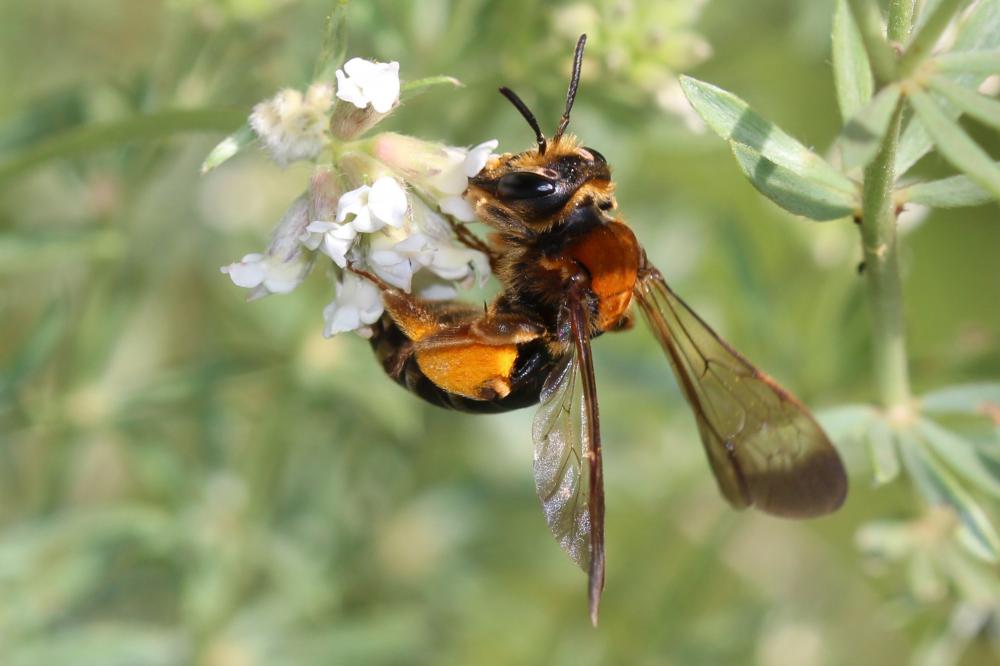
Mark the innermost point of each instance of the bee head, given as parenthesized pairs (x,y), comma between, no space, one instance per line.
(536,185)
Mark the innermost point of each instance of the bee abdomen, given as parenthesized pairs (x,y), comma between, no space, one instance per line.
(394,352)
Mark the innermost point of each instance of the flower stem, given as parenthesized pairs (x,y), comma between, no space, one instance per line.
(881,253)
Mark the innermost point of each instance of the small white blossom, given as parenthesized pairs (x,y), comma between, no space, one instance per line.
(256,271)
(459,264)
(337,240)
(363,82)
(285,263)
(394,256)
(383,203)
(292,125)
(356,306)
(441,172)
(437,291)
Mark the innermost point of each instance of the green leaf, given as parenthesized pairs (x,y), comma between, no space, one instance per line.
(91,138)
(420,85)
(331,54)
(961,455)
(928,34)
(852,73)
(953,192)
(861,137)
(980,107)
(870,27)
(732,119)
(979,30)
(954,144)
(846,421)
(882,452)
(975,62)
(228,147)
(938,486)
(963,399)
(791,191)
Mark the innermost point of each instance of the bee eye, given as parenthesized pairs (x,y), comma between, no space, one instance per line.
(524,185)
(597,154)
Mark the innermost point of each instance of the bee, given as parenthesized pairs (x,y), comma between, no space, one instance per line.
(569,270)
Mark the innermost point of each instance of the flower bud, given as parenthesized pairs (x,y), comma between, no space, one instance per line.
(293,126)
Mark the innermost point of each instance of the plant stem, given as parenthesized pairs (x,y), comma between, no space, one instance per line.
(881,253)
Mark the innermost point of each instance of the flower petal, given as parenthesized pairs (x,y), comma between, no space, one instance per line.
(387,201)
(478,156)
(248,272)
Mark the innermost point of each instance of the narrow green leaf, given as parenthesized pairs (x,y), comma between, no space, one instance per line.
(975,62)
(228,147)
(963,399)
(791,191)
(331,54)
(419,85)
(861,137)
(980,107)
(952,192)
(852,73)
(92,138)
(37,349)
(979,30)
(869,21)
(846,421)
(900,20)
(954,144)
(939,487)
(882,452)
(732,119)
(927,36)
(961,455)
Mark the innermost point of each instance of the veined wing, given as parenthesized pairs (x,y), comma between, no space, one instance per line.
(765,448)
(568,472)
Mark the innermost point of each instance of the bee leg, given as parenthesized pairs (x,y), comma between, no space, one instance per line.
(470,240)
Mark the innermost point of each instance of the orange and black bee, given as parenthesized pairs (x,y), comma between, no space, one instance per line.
(569,270)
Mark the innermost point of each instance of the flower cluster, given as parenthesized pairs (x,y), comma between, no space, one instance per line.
(385,205)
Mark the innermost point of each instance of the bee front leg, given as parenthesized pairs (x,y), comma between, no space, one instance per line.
(470,240)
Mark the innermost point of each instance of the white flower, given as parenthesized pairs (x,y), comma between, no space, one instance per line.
(293,126)
(265,274)
(384,203)
(367,82)
(394,256)
(448,186)
(356,306)
(442,172)
(337,240)
(460,264)
(285,263)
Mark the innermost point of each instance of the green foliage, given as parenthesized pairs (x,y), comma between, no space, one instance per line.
(188,478)
(948,468)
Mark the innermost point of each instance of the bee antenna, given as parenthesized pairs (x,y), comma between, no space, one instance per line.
(574,82)
(528,115)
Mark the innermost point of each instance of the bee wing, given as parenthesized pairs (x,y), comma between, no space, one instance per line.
(763,444)
(568,472)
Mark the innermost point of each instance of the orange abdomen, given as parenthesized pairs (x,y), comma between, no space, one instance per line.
(610,253)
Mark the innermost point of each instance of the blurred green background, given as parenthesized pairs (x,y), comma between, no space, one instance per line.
(188,478)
